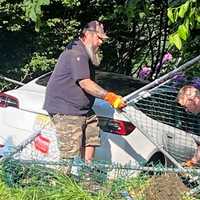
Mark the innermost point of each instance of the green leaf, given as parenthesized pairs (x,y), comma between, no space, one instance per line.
(170,15)
(174,39)
(175,15)
(197,17)
(38,10)
(33,14)
(171,39)
(192,13)
(183,9)
(183,32)
(141,15)
(45,2)
(177,41)
(187,23)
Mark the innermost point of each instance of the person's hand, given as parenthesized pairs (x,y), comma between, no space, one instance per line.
(115,100)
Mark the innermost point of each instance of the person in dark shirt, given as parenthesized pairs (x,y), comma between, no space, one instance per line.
(71,92)
(189,98)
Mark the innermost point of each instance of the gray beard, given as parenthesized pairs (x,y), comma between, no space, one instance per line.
(93,55)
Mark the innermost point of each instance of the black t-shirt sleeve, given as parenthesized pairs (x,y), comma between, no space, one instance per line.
(80,66)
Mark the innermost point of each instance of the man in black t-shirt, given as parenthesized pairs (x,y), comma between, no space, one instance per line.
(71,92)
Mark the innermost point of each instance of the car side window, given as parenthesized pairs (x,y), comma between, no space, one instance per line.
(43,80)
(161,105)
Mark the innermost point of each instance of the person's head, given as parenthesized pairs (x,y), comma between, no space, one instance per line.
(93,36)
(189,98)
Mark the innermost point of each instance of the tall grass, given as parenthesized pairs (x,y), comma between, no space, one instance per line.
(36,182)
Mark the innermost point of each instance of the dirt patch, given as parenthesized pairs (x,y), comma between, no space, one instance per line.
(165,187)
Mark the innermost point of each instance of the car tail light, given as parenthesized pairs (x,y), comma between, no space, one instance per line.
(8,100)
(114,126)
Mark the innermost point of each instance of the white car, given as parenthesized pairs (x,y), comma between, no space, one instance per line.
(22,117)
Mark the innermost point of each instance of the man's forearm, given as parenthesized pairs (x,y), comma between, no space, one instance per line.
(92,88)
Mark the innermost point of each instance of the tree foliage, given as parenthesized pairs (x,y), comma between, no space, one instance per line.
(184,18)
(33,10)
(34,32)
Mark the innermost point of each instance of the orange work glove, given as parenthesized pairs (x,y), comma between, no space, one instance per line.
(115,100)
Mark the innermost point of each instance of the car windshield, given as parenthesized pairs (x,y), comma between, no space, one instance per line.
(117,83)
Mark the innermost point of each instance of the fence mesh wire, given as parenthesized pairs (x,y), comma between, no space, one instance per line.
(162,120)
(27,173)
(28,180)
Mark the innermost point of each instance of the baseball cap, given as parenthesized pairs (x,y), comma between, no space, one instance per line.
(96,27)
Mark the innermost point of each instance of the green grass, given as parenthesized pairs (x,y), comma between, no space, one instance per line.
(60,187)
(36,182)
(33,182)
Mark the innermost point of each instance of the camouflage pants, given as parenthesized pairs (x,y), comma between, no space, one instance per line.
(75,132)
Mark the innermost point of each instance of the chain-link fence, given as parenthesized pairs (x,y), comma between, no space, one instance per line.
(35,180)
(163,121)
